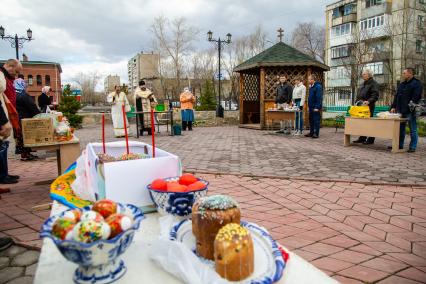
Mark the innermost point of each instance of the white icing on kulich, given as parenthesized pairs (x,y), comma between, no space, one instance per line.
(217,202)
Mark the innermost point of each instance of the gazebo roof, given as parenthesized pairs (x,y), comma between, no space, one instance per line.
(280,54)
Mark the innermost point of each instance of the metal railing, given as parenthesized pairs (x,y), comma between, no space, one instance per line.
(342,96)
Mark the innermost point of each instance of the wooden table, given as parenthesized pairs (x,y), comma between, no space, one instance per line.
(387,128)
(170,113)
(67,152)
(54,268)
(280,115)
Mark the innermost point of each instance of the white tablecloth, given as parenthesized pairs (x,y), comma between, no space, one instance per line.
(54,268)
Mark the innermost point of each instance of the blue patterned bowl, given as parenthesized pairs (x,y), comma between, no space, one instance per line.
(98,262)
(176,203)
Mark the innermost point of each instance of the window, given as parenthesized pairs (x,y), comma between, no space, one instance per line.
(377,47)
(30,80)
(348,8)
(344,94)
(419,44)
(341,30)
(370,3)
(373,22)
(336,13)
(417,70)
(39,82)
(340,51)
(420,21)
(47,80)
(375,67)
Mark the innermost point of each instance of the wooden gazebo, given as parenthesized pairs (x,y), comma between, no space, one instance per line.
(259,78)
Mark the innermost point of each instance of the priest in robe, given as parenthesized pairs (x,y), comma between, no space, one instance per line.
(118,99)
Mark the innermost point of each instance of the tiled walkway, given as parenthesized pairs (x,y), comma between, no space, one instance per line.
(355,232)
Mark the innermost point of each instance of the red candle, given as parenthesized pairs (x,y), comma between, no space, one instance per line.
(103,132)
(153,133)
(125,129)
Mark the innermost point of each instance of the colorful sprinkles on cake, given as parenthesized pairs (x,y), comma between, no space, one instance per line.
(217,202)
(232,232)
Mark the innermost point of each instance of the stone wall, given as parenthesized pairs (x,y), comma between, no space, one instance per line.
(202,118)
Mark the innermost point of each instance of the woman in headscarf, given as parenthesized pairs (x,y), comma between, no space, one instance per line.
(44,99)
(187,100)
(26,108)
(117,99)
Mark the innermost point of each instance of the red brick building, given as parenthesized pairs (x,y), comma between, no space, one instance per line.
(41,73)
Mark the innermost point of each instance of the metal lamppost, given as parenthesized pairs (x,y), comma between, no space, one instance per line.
(219,109)
(15,41)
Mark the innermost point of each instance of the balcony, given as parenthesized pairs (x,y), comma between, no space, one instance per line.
(385,8)
(344,19)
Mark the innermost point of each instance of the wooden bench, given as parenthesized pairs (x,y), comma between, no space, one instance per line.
(344,110)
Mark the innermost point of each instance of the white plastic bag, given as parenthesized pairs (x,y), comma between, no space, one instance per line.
(178,260)
(81,186)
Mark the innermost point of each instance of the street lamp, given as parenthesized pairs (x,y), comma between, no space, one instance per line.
(219,109)
(15,41)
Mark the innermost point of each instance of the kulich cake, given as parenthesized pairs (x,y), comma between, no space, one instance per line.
(105,158)
(209,215)
(233,253)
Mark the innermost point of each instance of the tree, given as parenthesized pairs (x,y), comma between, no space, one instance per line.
(174,41)
(208,97)
(87,83)
(310,39)
(69,107)
(241,49)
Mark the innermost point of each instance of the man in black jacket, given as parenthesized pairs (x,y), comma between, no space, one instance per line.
(283,98)
(408,91)
(368,94)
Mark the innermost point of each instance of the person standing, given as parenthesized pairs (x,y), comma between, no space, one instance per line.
(117,99)
(26,108)
(44,99)
(314,106)
(187,100)
(5,131)
(144,100)
(9,117)
(368,94)
(299,97)
(409,91)
(283,99)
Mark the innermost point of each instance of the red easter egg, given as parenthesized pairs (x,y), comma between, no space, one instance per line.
(62,228)
(176,187)
(187,179)
(105,207)
(118,223)
(197,186)
(159,184)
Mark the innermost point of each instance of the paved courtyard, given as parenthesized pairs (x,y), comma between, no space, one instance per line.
(355,231)
(252,152)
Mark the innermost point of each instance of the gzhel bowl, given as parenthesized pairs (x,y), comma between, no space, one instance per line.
(99,261)
(176,203)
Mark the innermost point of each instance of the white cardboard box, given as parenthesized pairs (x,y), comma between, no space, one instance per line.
(126,181)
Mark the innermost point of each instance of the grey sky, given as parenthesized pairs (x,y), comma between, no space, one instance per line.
(103,34)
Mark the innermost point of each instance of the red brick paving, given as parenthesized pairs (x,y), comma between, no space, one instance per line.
(355,233)
(17,218)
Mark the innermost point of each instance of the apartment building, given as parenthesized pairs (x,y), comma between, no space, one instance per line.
(110,82)
(384,36)
(143,66)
